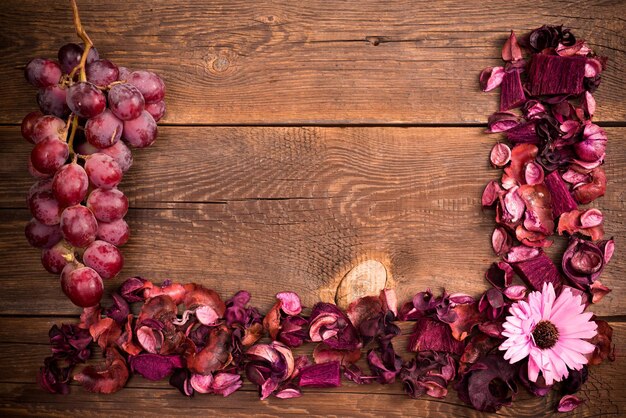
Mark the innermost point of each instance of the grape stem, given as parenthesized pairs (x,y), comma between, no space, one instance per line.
(70,141)
(86,40)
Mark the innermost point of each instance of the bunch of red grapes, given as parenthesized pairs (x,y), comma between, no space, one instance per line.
(90,112)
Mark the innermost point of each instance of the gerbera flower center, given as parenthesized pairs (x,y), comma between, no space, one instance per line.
(545,334)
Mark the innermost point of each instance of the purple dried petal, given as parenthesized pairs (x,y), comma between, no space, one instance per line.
(288,393)
(430,334)
(591,218)
(181,380)
(491,77)
(502,121)
(511,50)
(119,310)
(533,109)
(537,271)
(513,206)
(593,146)
(132,289)
(325,375)
(569,402)
(461,299)
(54,379)
(489,384)
(562,200)
(154,366)
(329,324)
(389,299)
(201,384)
(428,374)
(584,261)
(512,92)
(500,275)
(553,75)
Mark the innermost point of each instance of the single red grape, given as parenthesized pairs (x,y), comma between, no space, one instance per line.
(52,100)
(149,84)
(102,72)
(85,99)
(124,73)
(104,258)
(70,184)
(28,124)
(126,101)
(42,236)
(36,174)
(82,285)
(70,55)
(47,126)
(41,72)
(49,155)
(121,154)
(45,208)
(44,185)
(116,232)
(79,226)
(104,130)
(107,205)
(140,132)
(157,110)
(54,259)
(103,171)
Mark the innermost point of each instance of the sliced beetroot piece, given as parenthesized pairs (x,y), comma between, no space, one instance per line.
(537,271)
(552,74)
(512,92)
(325,375)
(562,200)
(524,133)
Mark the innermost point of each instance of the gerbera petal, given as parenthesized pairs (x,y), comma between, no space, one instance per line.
(547,300)
(533,368)
(521,352)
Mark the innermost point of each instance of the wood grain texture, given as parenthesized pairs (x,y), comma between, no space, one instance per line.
(604,393)
(268,62)
(271,209)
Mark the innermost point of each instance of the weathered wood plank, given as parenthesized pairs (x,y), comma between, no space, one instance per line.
(234,62)
(604,393)
(269,209)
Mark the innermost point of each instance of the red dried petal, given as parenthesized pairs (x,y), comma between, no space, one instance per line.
(511,50)
(467,317)
(589,192)
(491,77)
(500,155)
(108,378)
(105,332)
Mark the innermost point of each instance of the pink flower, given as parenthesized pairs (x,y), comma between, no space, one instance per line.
(551,332)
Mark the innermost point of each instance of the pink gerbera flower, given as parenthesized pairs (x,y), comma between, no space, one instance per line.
(551,332)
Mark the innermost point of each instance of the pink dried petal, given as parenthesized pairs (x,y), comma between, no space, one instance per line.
(591,218)
(201,383)
(491,193)
(570,128)
(598,291)
(579,48)
(501,241)
(521,154)
(500,155)
(206,315)
(324,354)
(491,77)
(511,50)
(521,253)
(511,92)
(389,300)
(516,292)
(150,339)
(288,393)
(533,173)
(569,402)
(290,303)
(576,177)
(589,104)
(226,383)
(593,67)
(513,206)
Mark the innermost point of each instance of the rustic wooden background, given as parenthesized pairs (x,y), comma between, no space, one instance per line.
(300,140)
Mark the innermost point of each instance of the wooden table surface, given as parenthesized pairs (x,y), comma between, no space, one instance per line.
(300,140)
